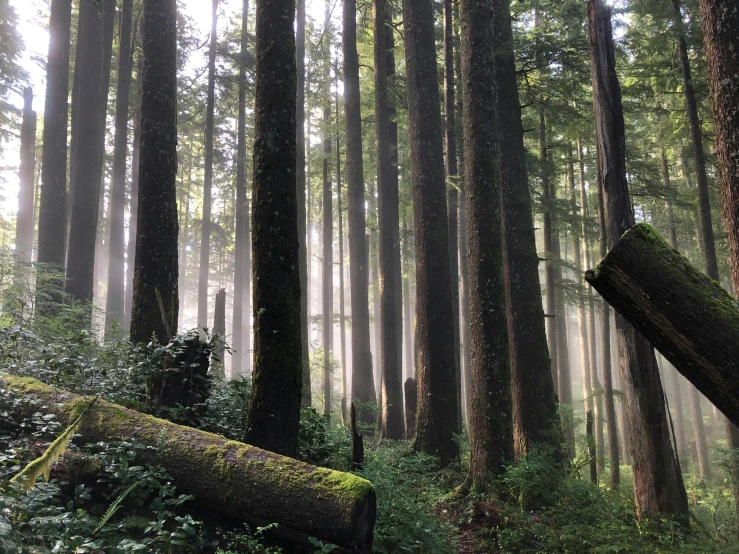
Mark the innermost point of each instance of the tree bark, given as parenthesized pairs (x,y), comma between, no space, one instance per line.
(410,389)
(117,204)
(24,224)
(342,315)
(302,212)
(658,484)
(363,384)
(86,187)
(274,409)
(52,224)
(327,282)
(391,417)
(242,300)
(204,266)
(534,398)
(491,422)
(696,137)
(155,301)
(437,416)
(219,324)
(228,476)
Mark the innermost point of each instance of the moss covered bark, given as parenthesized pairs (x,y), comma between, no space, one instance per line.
(235,479)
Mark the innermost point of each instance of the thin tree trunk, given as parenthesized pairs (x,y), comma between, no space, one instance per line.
(391,417)
(24,224)
(184,242)
(204,265)
(363,384)
(342,316)
(117,204)
(437,416)
(407,318)
(658,484)
(327,281)
(155,302)
(241,277)
(302,213)
(274,407)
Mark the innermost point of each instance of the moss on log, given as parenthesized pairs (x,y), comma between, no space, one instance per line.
(685,314)
(233,478)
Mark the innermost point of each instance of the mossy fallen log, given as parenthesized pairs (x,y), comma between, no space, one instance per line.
(686,315)
(232,478)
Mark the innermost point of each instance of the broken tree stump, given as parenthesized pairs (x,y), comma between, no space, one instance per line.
(686,315)
(232,478)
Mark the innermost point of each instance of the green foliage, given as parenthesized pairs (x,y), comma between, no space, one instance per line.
(248,541)
(322,444)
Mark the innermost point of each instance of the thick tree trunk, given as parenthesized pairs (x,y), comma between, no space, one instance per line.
(391,417)
(86,186)
(302,212)
(24,224)
(155,301)
(227,476)
(363,383)
(274,409)
(241,247)
(491,422)
(696,137)
(437,418)
(450,140)
(720,25)
(204,265)
(534,397)
(117,204)
(656,296)
(658,484)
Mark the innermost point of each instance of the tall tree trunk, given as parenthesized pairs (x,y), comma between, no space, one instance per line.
(25,216)
(274,408)
(696,137)
(204,266)
(450,140)
(491,425)
(363,383)
(155,302)
(117,204)
(391,418)
(437,415)
(327,282)
(614,475)
(52,203)
(721,37)
(407,318)
(658,484)
(302,213)
(342,319)
(184,242)
(241,247)
(133,209)
(219,325)
(534,399)
(594,379)
(79,276)
(547,230)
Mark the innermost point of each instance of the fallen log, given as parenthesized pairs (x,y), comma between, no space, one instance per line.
(686,315)
(232,478)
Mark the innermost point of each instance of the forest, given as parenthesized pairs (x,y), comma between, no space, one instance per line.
(376,276)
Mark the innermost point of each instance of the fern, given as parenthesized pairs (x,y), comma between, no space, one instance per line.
(113,508)
(135,522)
(42,464)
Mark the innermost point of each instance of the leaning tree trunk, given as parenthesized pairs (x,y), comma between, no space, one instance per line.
(241,246)
(229,477)
(204,265)
(658,484)
(437,416)
(534,400)
(117,206)
(155,303)
(363,384)
(274,408)
(25,217)
(720,25)
(52,225)
(391,416)
(491,425)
